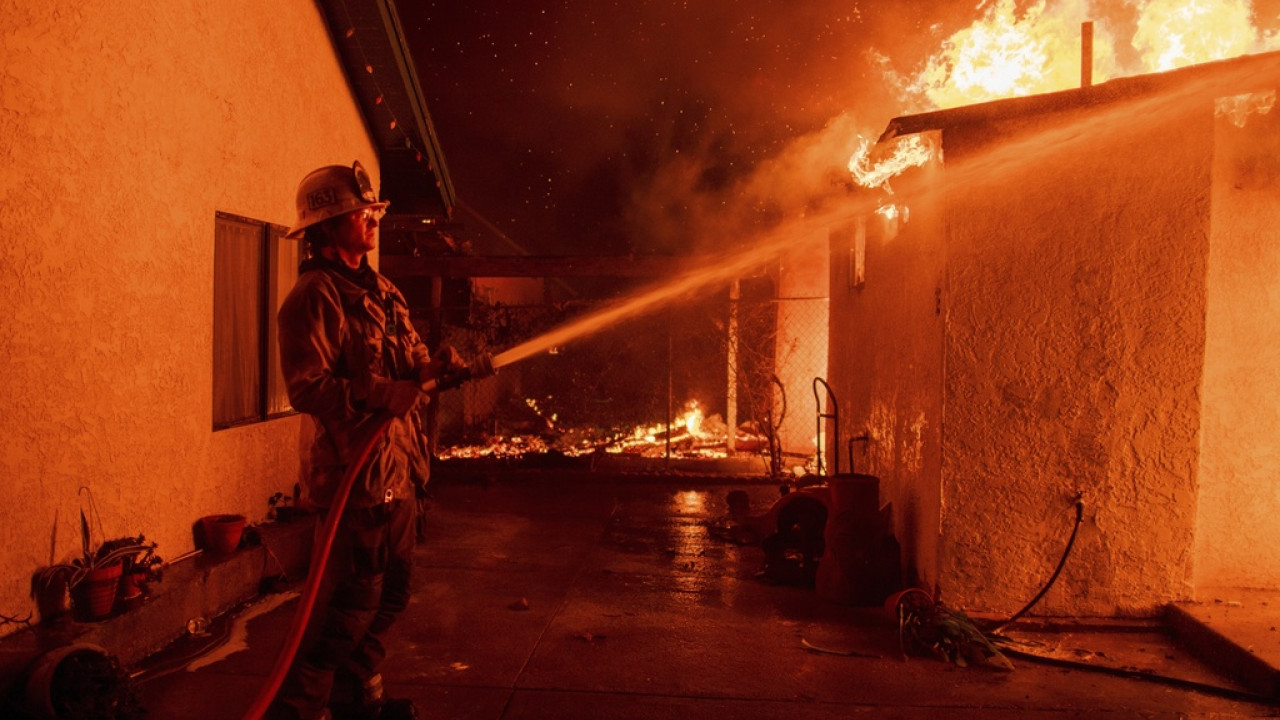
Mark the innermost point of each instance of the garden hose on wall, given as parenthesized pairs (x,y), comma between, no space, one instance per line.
(1052,578)
(1181,683)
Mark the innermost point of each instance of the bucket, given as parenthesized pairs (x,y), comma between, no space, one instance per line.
(222,533)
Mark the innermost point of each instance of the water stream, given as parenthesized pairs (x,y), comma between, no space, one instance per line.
(998,161)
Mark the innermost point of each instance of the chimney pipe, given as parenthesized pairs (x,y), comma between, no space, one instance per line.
(1086,54)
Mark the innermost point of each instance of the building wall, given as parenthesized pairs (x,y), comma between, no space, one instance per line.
(122,132)
(886,367)
(1074,352)
(1239,509)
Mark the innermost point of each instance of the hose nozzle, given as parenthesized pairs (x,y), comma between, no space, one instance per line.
(481,367)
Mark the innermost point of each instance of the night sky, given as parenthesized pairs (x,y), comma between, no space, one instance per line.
(651,127)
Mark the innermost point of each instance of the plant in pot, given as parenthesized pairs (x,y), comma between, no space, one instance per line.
(281,509)
(141,565)
(278,507)
(98,576)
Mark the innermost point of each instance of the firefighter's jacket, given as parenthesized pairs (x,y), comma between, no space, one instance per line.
(339,329)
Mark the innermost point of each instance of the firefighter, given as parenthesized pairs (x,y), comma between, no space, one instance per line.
(350,357)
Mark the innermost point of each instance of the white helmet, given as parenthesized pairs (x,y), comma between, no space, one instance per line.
(331,191)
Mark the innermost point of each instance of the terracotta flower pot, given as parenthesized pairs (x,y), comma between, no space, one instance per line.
(94,597)
(222,532)
(131,584)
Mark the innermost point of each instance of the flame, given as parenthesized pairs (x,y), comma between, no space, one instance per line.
(894,157)
(685,426)
(1177,33)
(1007,53)
(692,435)
(892,212)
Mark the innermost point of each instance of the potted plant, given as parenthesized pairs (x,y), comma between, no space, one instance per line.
(95,579)
(140,565)
(281,508)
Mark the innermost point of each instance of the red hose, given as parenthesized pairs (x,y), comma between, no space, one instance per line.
(319,558)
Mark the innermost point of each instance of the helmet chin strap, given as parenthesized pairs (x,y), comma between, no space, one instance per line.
(350,258)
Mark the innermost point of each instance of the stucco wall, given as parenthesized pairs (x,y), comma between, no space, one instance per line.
(1239,510)
(886,371)
(1074,350)
(122,132)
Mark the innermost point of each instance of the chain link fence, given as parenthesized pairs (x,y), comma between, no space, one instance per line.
(729,373)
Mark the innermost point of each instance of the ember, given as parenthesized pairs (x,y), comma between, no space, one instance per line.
(690,435)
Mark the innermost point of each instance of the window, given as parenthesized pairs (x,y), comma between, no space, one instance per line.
(254,267)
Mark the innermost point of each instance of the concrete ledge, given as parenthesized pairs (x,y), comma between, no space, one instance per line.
(198,586)
(1238,638)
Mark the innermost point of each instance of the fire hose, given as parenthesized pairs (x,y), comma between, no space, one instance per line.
(480,367)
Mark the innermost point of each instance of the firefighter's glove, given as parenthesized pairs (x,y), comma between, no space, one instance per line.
(444,362)
(398,397)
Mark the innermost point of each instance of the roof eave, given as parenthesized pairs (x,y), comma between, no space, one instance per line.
(372,49)
(1251,73)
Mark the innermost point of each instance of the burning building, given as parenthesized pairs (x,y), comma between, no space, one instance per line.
(1075,306)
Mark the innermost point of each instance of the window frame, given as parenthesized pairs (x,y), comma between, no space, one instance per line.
(271,287)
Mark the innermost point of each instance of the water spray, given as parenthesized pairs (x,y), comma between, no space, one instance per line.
(482,366)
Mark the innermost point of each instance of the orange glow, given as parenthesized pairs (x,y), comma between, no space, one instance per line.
(1009,52)
(874,165)
(1177,33)
(1238,107)
(1006,53)
(692,434)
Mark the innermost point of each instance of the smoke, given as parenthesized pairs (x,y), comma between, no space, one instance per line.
(732,116)
(673,126)
(1001,48)
(654,126)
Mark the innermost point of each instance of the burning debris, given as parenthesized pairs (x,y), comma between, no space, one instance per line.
(690,435)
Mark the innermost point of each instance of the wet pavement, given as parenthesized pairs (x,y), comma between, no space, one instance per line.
(580,599)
